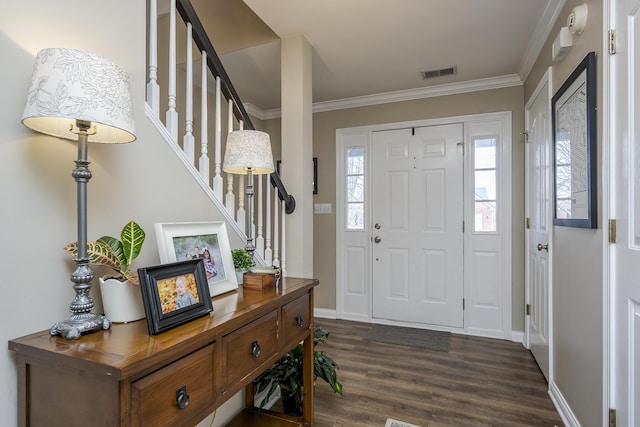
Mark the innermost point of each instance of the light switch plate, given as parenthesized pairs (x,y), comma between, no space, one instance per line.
(322,208)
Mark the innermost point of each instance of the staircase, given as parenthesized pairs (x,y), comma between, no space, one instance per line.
(206,95)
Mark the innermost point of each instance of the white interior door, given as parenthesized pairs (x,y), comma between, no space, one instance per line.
(625,207)
(538,189)
(417,217)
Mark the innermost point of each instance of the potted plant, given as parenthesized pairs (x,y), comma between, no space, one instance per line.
(121,297)
(241,262)
(287,373)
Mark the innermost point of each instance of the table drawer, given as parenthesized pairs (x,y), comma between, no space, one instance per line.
(156,399)
(248,347)
(295,318)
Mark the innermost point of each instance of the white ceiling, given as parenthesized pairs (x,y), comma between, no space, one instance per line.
(379,47)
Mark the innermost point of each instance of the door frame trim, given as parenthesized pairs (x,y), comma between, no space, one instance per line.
(506,224)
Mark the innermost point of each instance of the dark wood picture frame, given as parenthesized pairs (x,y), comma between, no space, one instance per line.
(574,123)
(163,306)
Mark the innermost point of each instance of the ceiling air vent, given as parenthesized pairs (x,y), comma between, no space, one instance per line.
(438,73)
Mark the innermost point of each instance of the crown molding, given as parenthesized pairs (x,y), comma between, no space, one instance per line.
(398,96)
(420,93)
(543,29)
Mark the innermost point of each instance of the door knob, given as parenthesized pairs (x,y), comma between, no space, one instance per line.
(377,226)
(541,247)
(377,239)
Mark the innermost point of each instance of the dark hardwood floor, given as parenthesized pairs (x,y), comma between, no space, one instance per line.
(479,382)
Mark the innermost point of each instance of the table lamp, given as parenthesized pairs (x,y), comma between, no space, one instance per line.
(80,96)
(248,152)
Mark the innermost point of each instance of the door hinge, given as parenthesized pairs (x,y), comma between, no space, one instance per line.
(612,417)
(463,226)
(461,145)
(462,304)
(527,223)
(612,230)
(526,136)
(612,42)
(528,309)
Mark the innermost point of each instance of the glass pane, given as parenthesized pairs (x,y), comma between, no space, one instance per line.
(485,216)
(355,218)
(355,161)
(563,182)
(485,153)
(563,209)
(485,182)
(563,149)
(355,188)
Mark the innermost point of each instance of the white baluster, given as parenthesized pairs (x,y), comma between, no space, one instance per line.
(217,178)
(259,236)
(240,216)
(188,142)
(172,114)
(268,253)
(276,261)
(230,200)
(203,165)
(153,90)
(283,236)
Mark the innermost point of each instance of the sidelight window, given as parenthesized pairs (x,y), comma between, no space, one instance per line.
(355,188)
(485,183)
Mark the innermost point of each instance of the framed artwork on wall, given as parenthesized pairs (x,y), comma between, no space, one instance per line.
(574,122)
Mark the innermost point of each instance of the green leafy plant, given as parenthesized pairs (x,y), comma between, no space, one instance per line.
(288,372)
(114,253)
(241,259)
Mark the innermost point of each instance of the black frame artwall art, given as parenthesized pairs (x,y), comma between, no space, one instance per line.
(574,121)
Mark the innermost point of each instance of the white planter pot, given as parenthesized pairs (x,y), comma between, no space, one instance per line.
(240,276)
(122,301)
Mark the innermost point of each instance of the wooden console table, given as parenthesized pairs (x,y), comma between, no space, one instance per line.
(124,377)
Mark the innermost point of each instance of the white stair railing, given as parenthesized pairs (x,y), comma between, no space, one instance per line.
(271,203)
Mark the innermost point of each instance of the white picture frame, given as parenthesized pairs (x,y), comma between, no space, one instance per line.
(176,240)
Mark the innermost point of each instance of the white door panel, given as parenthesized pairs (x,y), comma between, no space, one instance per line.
(417,202)
(625,208)
(539,217)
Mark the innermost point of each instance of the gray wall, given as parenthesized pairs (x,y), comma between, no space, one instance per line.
(143,181)
(577,253)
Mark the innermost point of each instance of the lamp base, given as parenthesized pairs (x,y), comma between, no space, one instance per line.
(72,327)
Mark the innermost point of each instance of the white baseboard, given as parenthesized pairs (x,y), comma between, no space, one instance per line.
(324,313)
(517,336)
(562,406)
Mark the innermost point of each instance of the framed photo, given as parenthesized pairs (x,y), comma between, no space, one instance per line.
(179,241)
(174,294)
(574,122)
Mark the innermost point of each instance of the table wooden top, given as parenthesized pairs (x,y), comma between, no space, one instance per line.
(126,349)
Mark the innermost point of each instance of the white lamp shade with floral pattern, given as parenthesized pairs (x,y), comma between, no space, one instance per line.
(69,85)
(248,149)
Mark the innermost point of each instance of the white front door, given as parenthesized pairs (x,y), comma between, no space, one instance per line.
(417,217)
(624,142)
(538,200)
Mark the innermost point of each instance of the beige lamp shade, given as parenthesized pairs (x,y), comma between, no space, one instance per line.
(69,85)
(248,149)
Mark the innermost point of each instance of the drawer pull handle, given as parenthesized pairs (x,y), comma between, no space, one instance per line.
(299,321)
(255,349)
(182,397)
